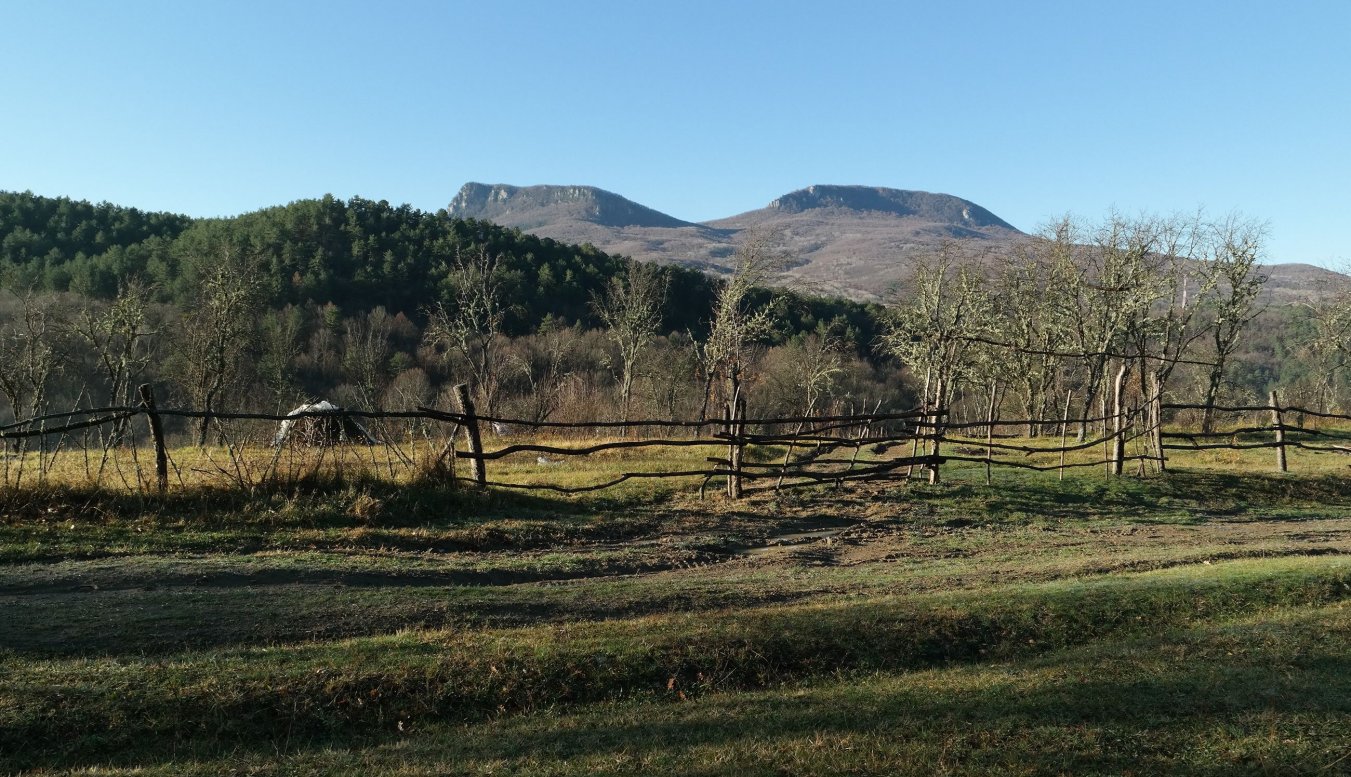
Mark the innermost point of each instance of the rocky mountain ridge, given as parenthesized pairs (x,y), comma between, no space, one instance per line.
(854,241)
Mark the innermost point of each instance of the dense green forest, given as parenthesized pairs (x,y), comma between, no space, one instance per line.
(384,307)
(340,297)
(357,255)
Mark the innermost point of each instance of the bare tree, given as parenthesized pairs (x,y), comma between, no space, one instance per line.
(819,362)
(472,325)
(1330,345)
(220,332)
(543,362)
(278,364)
(737,324)
(30,354)
(366,350)
(937,320)
(674,377)
(121,336)
(631,309)
(1235,253)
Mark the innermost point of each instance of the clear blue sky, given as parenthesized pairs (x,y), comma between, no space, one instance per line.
(698,109)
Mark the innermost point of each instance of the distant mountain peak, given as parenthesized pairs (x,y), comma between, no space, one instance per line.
(532,206)
(897,202)
(855,240)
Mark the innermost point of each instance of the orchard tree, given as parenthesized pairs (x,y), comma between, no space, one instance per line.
(1329,343)
(737,323)
(1236,247)
(1028,317)
(937,320)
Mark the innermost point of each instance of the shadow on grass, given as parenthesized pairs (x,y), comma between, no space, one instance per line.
(1178,496)
(1153,719)
(329,502)
(1146,706)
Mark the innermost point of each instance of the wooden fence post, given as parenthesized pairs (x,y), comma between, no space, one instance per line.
(734,416)
(1064,431)
(1156,431)
(989,433)
(740,422)
(1118,421)
(471,426)
(934,476)
(147,403)
(1279,424)
(731,447)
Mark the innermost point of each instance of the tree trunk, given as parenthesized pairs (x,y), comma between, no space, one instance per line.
(1091,387)
(941,390)
(1156,422)
(1212,394)
(1119,420)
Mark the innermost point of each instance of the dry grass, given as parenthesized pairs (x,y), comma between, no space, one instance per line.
(240,456)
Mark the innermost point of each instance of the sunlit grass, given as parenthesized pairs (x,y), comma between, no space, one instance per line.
(356,608)
(310,692)
(240,455)
(1261,694)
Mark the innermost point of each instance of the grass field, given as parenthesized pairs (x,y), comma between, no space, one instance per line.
(1195,622)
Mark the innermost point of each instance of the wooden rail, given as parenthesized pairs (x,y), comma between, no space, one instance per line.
(819,437)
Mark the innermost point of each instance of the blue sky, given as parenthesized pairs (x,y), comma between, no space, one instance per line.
(698,109)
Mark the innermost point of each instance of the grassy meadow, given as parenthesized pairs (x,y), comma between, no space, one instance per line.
(361,613)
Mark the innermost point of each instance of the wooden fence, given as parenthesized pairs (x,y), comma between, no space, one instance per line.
(787,452)
(1278,435)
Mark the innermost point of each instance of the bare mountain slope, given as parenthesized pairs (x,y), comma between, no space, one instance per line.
(851,240)
(856,241)
(860,240)
(549,206)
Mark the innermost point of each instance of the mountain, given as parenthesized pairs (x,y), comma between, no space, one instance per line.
(854,241)
(555,205)
(1297,282)
(851,240)
(933,208)
(861,240)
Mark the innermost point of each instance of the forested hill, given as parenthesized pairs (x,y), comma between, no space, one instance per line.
(357,254)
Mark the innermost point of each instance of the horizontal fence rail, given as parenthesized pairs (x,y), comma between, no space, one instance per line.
(749,454)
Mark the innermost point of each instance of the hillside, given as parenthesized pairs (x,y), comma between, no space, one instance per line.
(586,214)
(853,241)
(359,254)
(849,240)
(859,240)
(543,206)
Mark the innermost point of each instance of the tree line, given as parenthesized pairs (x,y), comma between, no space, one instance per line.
(355,254)
(368,304)
(1132,308)
(381,307)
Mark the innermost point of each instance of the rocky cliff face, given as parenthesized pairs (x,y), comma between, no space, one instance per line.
(896,202)
(522,206)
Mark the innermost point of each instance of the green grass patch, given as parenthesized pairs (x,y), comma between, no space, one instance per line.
(1263,694)
(77,711)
